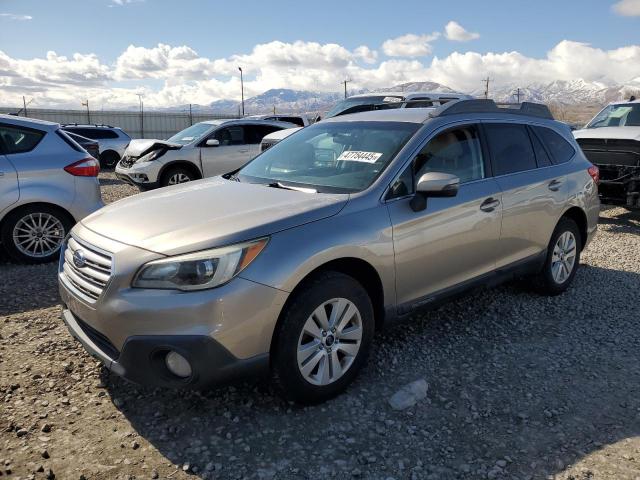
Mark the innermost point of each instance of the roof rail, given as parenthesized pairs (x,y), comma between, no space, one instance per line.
(456,107)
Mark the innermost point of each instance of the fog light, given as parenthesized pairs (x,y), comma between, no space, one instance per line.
(177,364)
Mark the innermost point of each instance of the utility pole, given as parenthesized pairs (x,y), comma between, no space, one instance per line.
(274,108)
(86,104)
(486,87)
(242,89)
(24,102)
(190,115)
(141,115)
(517,94)
(346,80)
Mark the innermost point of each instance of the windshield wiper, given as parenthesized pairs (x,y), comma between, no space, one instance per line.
(289,187)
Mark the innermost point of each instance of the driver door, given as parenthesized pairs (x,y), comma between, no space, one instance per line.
(454,239)
(229,155)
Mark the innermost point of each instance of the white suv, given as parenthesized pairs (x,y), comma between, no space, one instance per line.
(205,149)
(112,141)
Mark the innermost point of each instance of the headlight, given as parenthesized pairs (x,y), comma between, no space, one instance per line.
(152,155)
(199,270)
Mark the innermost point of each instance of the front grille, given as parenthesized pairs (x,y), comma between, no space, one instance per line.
(611,151)
(88,277)
(127,161)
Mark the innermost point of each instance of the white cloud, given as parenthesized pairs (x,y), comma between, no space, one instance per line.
(172,75)
(628,8)
(410,45)
(14,16)
(125,2)
(457,33)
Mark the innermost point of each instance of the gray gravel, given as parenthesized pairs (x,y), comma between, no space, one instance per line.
(519,386)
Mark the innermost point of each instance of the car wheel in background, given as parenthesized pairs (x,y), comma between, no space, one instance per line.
(563,259)
(34,234)
(175,176)
(109,159)
(323,339)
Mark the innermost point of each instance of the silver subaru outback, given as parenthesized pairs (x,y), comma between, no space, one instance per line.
(292,263)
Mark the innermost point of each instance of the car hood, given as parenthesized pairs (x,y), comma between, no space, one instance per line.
(208,213)
(620,133)
(140,147)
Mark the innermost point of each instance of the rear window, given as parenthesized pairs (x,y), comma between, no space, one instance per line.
(69,141)
(19,139)
(561,150)
(510,147)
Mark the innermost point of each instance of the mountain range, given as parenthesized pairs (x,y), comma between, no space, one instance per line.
(561,92)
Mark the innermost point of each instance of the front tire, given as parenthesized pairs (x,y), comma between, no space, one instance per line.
(34,234)
(562,260)
(176,176)
(324,338)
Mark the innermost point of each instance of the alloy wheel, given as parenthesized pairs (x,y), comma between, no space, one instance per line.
(177,178)
(330,341)
(564,257)
(38,235)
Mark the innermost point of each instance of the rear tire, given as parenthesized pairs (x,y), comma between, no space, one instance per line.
(323,339)
(34,233)
(176,176)
(562,260)
(109,159)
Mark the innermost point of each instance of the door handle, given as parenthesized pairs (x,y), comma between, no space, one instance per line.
(489,205)
(555,185)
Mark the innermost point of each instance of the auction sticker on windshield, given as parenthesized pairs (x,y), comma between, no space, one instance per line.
(358,156)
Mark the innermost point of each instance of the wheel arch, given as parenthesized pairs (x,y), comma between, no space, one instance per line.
(358,269)
(186,164)
(17,207)
(580,217)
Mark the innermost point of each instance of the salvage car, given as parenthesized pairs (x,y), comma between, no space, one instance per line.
(612,142)
(293,263)
(205,149)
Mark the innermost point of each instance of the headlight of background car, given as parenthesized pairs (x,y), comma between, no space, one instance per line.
(152,155)
(199,270)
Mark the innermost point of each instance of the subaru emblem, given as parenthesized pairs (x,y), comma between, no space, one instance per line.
(78,259)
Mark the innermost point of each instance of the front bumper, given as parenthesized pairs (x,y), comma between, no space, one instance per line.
(144,175)
(141,359)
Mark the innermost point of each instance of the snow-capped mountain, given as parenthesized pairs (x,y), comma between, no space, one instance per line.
(574,93)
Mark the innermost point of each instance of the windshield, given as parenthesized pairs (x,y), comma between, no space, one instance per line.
(350,105)
(190,134)
(620,115)
(331,157)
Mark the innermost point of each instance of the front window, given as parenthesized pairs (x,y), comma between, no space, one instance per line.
(361,104)
(336,157)
(619,115)
(191,134)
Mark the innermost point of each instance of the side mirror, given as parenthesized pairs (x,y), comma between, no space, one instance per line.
(434,184)
(212,142)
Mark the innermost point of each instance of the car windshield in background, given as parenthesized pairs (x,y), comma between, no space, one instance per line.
(621,115)
(331,157)
(191,133)
(361,104)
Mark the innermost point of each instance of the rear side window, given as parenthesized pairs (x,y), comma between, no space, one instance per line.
(19,139)
(510,147)
(230,136)
(561,150)
(255,133)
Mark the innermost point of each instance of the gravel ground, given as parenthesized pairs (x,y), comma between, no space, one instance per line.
(520,386)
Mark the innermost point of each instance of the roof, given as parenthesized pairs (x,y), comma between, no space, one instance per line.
(410,115)
(28,122)
(411,95)
(254,121)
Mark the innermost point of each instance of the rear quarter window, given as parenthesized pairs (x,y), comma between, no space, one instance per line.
(19,139)
(561,150)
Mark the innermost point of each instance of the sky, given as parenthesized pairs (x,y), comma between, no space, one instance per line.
(60,52)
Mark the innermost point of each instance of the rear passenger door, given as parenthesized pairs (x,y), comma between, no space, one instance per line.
(534,190)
